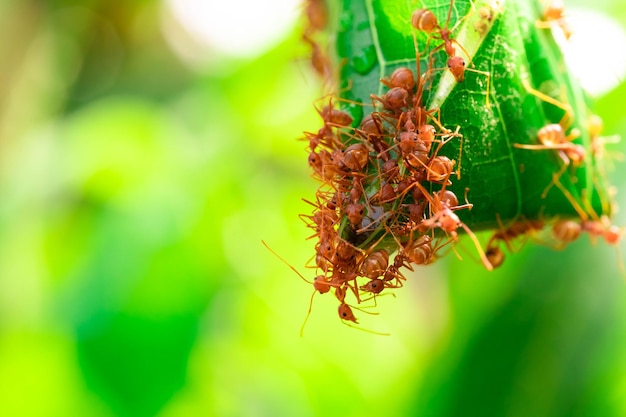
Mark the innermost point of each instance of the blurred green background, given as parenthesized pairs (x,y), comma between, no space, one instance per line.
(140,167)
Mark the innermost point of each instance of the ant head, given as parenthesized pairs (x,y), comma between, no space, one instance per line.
(325,249)
(456,65)
(355,213)
(322,263)
(416,212)
(345,313)
(495,256)
(390,169)
(386,194)
(375,286)
(613,234)
(315,161)
(427,133)
(345,251)
(408,141)
(317,15)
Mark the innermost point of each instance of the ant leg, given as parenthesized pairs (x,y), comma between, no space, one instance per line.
(569,113)
(308,314)
(557,175)
(287,263)
(583,215)
(479,248)
(488,75)
(365,330)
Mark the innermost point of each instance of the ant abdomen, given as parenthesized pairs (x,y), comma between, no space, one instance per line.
(424,20)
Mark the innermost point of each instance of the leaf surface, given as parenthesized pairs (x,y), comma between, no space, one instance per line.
(516,83)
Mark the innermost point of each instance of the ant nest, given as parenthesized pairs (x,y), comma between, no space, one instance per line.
(384,203)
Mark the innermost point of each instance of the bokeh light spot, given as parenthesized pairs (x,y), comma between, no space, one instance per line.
(236,27)
(592,51)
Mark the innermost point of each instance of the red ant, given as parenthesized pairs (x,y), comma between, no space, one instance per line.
(401,77)
(334,117)
(507,235)
(317,15)
(553,136)
(424,20)
(319,60)
(554,13)
(603,228)
(375,264)
(443,205)
(598,150)
(396,99)
(566,231)
(347,315)
(596,226)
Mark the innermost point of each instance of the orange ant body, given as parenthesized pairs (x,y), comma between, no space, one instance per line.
(319,60)
(356,157)
(334,117)
(402,78)
(396,99)
(443,205)
(425,21)
(375,178)
(554,13)
(317,15)
(419,252)
(375,264)
(603,228)
(553,137)
(519,228)
(566,231)
(345,313)
(439,169)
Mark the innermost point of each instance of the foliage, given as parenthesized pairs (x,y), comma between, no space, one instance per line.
(135,192)
(505,183)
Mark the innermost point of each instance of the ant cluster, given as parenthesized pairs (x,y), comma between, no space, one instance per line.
(384,184)
(385,202)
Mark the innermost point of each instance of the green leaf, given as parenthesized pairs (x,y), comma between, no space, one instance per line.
(493,112)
